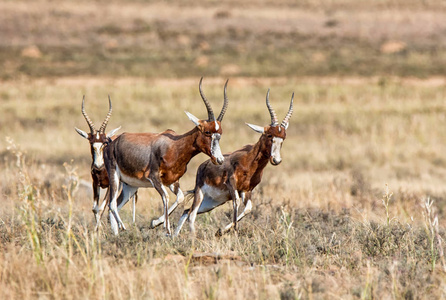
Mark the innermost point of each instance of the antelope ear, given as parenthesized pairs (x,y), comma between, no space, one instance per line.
(112,132)
(193,118)
(256,128)
(82,133)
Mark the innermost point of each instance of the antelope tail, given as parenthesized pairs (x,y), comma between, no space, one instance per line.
(188,195)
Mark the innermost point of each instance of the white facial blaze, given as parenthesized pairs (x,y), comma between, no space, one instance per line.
(215,147)
(98,155)
(216,126)
(275,149)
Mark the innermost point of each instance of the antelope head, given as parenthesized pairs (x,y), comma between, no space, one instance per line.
(274,134)
(97,138)
(209,130)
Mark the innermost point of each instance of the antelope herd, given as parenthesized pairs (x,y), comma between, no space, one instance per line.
(122,164)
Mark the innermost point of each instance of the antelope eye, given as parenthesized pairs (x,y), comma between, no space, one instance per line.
(207,132)
(269,135)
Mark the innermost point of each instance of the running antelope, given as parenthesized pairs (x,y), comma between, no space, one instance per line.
(240,173)
(98,141)
(159,160)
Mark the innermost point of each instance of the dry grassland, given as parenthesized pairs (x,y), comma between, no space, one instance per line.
(356,210)
(319,227)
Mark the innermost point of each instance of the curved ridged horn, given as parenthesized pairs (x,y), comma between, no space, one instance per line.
(211,116)
(288,115)
(274,121)
(104,124)
(90,124)
(225,104)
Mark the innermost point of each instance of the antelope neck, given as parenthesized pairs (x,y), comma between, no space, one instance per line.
(186,145)
(258,154)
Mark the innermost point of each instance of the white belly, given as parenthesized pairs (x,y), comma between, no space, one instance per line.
(135,182)
(212,197)
(216,194)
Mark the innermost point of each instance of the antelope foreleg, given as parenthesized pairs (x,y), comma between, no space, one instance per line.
(113,206)
(96,194)
(181,222)
(198,199)
(246,211)
(235,205)
(135,199)
(175,188)
(161,189)
(231,185)
(101,210)
(125,191)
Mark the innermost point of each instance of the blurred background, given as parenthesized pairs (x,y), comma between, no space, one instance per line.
(178,39)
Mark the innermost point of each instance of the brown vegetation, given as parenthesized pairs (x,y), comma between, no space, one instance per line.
(324,224)
(318,226)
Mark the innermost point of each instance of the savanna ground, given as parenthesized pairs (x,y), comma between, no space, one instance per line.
(355,210)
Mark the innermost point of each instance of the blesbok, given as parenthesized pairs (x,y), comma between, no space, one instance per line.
(240,173)
(159,160)
(98,140)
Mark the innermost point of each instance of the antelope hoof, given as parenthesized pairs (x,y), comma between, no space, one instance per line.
(155,223)
(121,226)
(219,233)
